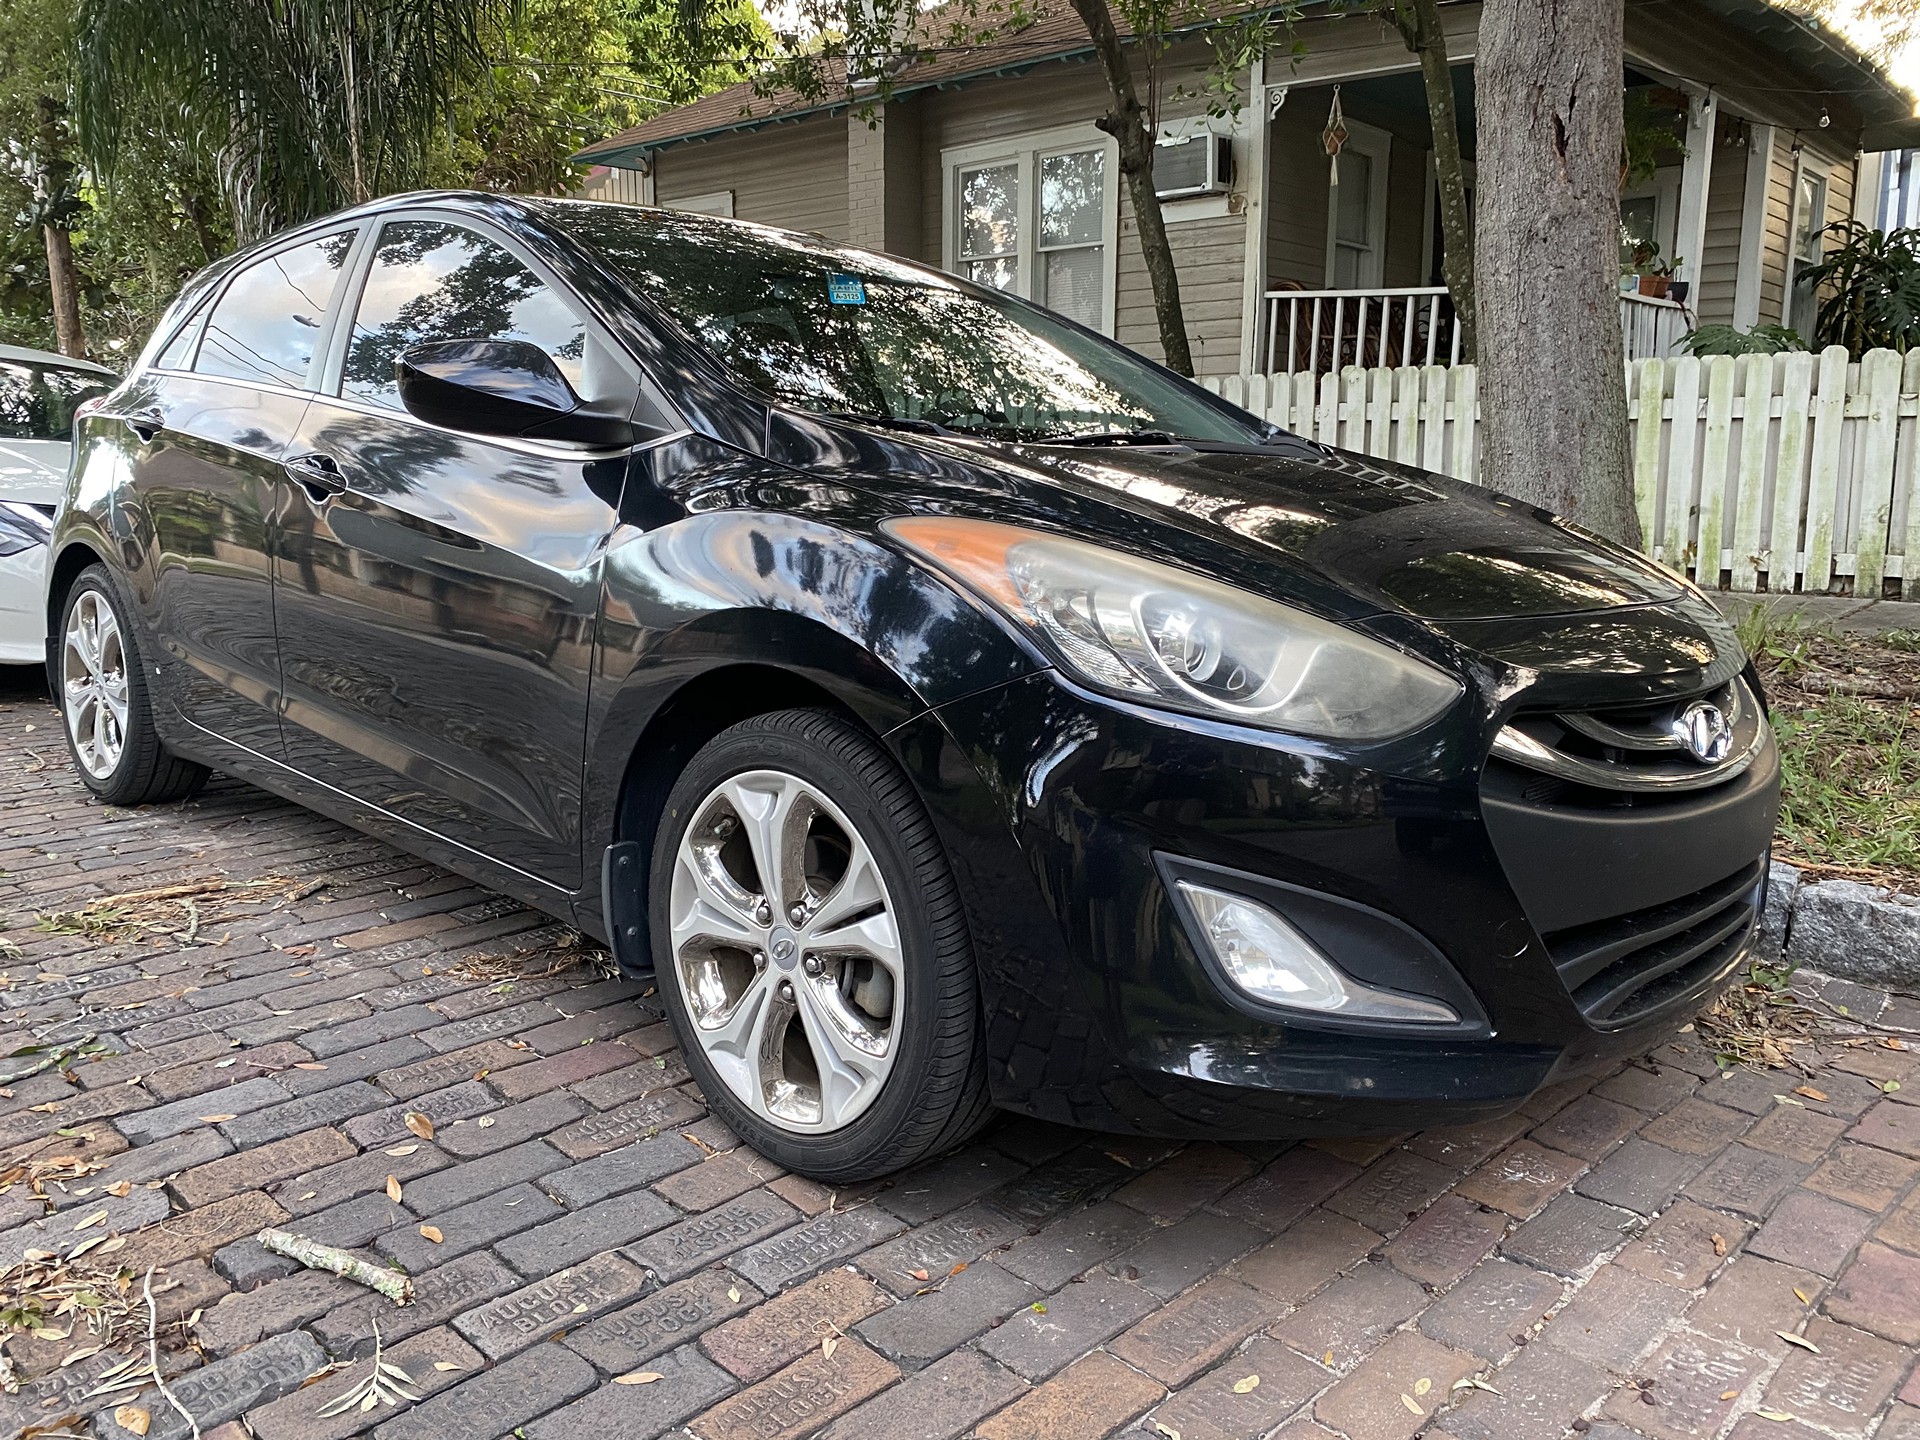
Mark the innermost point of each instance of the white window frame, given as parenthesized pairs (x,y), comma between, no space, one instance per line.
(1025,153)
(1377,145)
(1804,165)
(1663,188)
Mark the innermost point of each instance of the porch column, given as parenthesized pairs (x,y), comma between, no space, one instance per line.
(1256,123)
(1690,238)
(1753,227)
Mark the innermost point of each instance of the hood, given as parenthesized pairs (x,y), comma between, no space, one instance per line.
(1397,540)
(33,470)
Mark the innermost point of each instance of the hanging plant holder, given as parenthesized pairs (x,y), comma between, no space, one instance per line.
(1333,139)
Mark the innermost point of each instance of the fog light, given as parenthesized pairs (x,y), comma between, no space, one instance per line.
(1272,961)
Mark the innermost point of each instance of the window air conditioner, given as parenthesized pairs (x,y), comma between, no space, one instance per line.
(1196,165)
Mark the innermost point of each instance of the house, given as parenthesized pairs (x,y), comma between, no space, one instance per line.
(985,160)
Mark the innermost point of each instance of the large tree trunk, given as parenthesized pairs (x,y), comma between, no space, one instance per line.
(1418,22)
(64,282)
(1126,121)
(1553,392)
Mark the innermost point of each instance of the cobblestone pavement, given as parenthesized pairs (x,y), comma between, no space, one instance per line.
(1654,1251)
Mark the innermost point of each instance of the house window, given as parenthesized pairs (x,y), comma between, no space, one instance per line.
(1809,227)
(1036,217)
(1357,211)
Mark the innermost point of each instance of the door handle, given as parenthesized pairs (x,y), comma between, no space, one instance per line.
(318,474)
(146,423)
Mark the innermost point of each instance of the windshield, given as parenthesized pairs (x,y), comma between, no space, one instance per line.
(37,401)
(846,332)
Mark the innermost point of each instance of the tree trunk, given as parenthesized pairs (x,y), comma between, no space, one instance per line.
(1553,392)
(1126,121)
(65,285)
(1418,22)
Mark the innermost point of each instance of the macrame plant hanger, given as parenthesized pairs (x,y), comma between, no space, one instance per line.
(1334,137)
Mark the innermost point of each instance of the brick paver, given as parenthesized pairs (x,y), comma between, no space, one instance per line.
(1655,1251)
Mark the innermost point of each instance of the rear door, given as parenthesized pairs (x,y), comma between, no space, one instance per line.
(437,606)
(208,427)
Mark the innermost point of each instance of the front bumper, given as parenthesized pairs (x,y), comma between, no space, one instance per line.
(1104,1011)
(23,601)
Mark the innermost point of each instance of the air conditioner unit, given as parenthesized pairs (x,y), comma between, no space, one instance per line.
(1194,165)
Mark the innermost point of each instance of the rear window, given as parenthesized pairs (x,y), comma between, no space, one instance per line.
(37,401)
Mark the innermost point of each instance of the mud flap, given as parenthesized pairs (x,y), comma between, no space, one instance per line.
(623,895)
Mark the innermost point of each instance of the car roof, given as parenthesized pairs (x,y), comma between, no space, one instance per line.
(49,357)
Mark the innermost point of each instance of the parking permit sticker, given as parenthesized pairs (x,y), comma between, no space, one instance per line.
(846,290)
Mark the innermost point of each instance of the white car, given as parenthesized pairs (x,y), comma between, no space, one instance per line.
(38,393)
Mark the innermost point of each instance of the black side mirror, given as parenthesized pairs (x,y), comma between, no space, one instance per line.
(501,387)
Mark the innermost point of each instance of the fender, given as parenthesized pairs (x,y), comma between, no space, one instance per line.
(785,603)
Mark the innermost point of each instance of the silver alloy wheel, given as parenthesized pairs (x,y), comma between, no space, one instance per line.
(786,951)
(93,673)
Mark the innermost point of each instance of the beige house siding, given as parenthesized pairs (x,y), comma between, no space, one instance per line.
(792,175)
(1297,194)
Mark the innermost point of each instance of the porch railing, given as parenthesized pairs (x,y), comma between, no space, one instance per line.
(1316,332)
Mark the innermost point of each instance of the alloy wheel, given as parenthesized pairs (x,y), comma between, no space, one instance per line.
(93,673)
(787,951)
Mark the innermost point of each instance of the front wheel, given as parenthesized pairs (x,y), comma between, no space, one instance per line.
(103,702)
(812,952)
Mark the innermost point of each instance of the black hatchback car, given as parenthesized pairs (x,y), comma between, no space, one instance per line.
(956,708)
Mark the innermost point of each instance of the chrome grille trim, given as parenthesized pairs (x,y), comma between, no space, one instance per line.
(1650,758)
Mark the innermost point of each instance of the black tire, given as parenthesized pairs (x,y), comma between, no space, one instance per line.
(935,1096)
(147,772)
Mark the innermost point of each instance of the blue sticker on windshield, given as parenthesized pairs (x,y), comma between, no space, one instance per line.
(846,290)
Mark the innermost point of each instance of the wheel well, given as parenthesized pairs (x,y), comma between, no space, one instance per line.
(72,561)
(697,712)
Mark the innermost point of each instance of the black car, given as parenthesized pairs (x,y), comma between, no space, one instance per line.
(958,709)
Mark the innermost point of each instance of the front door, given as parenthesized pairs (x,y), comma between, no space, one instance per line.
(206,434)
(437,593)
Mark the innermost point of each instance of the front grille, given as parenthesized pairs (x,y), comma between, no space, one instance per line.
(1642,751)
(1630,965)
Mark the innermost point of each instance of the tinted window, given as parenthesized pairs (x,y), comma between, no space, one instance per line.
(433,281)
(37,401)
(179,351)
(842,330)
(269,319)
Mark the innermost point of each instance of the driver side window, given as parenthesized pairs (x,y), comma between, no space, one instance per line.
(434,281)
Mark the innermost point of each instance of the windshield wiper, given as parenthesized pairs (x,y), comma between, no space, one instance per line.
(1113,437)
(888,422)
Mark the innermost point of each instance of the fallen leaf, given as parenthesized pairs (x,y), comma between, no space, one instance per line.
(223,1064)
(120,1188)
(1804,1298)
(399,1150)
(1800,1340)
(132,1417)
(1038,1307)
(1167,1430)
(1250,1383)
(1327,1359)
(1411,1404)
(212,1119)
(958,1267)
(1809,1092)
(733,1294)
(485,1122)
(99,1217)
(308,1065)
(1422,1385)
(920,1275)
(1729,1394)
(638,1377)
(1779,1415)
(393,1189)
(50,1108)
(1719,1244)
(1891,1086)
(419,1124)
(828,1346)
(82,1353)
(432,1232)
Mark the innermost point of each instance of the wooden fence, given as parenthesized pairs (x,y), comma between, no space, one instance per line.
(1793,472)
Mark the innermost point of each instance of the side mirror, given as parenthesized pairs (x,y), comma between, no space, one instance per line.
(501,387)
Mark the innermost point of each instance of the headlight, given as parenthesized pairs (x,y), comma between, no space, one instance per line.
(23,526)
(1166,636)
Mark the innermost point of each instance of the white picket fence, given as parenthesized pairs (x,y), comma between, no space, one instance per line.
(1799,469)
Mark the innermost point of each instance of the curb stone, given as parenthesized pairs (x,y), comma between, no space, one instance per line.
(1867,933)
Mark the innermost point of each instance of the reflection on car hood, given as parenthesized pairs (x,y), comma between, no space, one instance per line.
(33,470)
(1398,539)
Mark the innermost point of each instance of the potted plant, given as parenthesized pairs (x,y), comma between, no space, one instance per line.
(1654,275)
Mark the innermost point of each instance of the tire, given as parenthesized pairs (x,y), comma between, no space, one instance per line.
(104,699)
(874,970)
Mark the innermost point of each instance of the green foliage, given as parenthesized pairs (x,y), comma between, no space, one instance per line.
(1869,287)
(1728,340)
(1648,140)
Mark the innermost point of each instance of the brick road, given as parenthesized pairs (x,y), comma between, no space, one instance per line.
(1628,1255)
